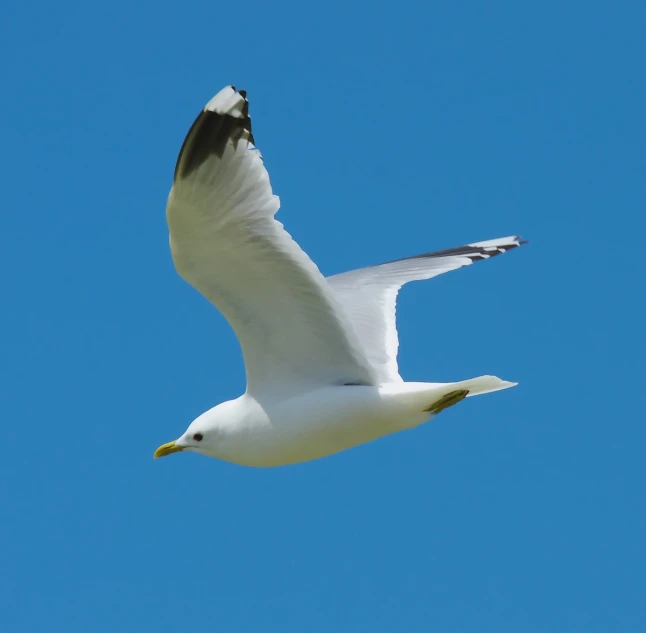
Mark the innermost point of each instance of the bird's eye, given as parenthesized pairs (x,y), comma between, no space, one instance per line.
(198,437)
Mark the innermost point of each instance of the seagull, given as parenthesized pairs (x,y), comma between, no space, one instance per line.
(320,353)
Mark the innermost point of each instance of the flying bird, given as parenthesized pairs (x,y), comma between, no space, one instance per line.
(320,353)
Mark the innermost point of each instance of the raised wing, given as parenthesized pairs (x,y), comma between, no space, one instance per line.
(226,243)
(369,295)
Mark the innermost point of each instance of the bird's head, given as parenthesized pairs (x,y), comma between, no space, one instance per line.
(196,442)
(204,435)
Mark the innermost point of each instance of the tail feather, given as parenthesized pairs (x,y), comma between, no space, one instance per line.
(422,396)
(450,394)
(483,384)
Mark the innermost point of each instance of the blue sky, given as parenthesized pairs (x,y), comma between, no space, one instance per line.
(389,130)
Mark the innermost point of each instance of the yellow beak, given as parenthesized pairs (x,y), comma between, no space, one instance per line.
(167,449)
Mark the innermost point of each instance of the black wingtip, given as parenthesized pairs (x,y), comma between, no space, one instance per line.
(216,125)
(475,252)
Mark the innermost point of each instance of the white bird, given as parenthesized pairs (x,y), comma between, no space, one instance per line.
(320,353)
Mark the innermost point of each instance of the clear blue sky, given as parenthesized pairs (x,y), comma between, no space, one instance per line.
(389,130)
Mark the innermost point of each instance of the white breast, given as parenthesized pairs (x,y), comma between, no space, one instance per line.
(318,423)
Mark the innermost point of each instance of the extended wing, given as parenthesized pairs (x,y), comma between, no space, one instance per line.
(226,243)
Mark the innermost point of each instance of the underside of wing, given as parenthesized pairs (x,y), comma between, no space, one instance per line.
(226,243)
(369,295)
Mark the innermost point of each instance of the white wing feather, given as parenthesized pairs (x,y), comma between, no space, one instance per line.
(226,243)
(369,295)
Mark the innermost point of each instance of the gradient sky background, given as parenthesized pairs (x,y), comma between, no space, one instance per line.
(388,130)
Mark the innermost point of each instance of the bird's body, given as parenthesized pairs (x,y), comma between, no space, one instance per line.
(277,431)
(320,353)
